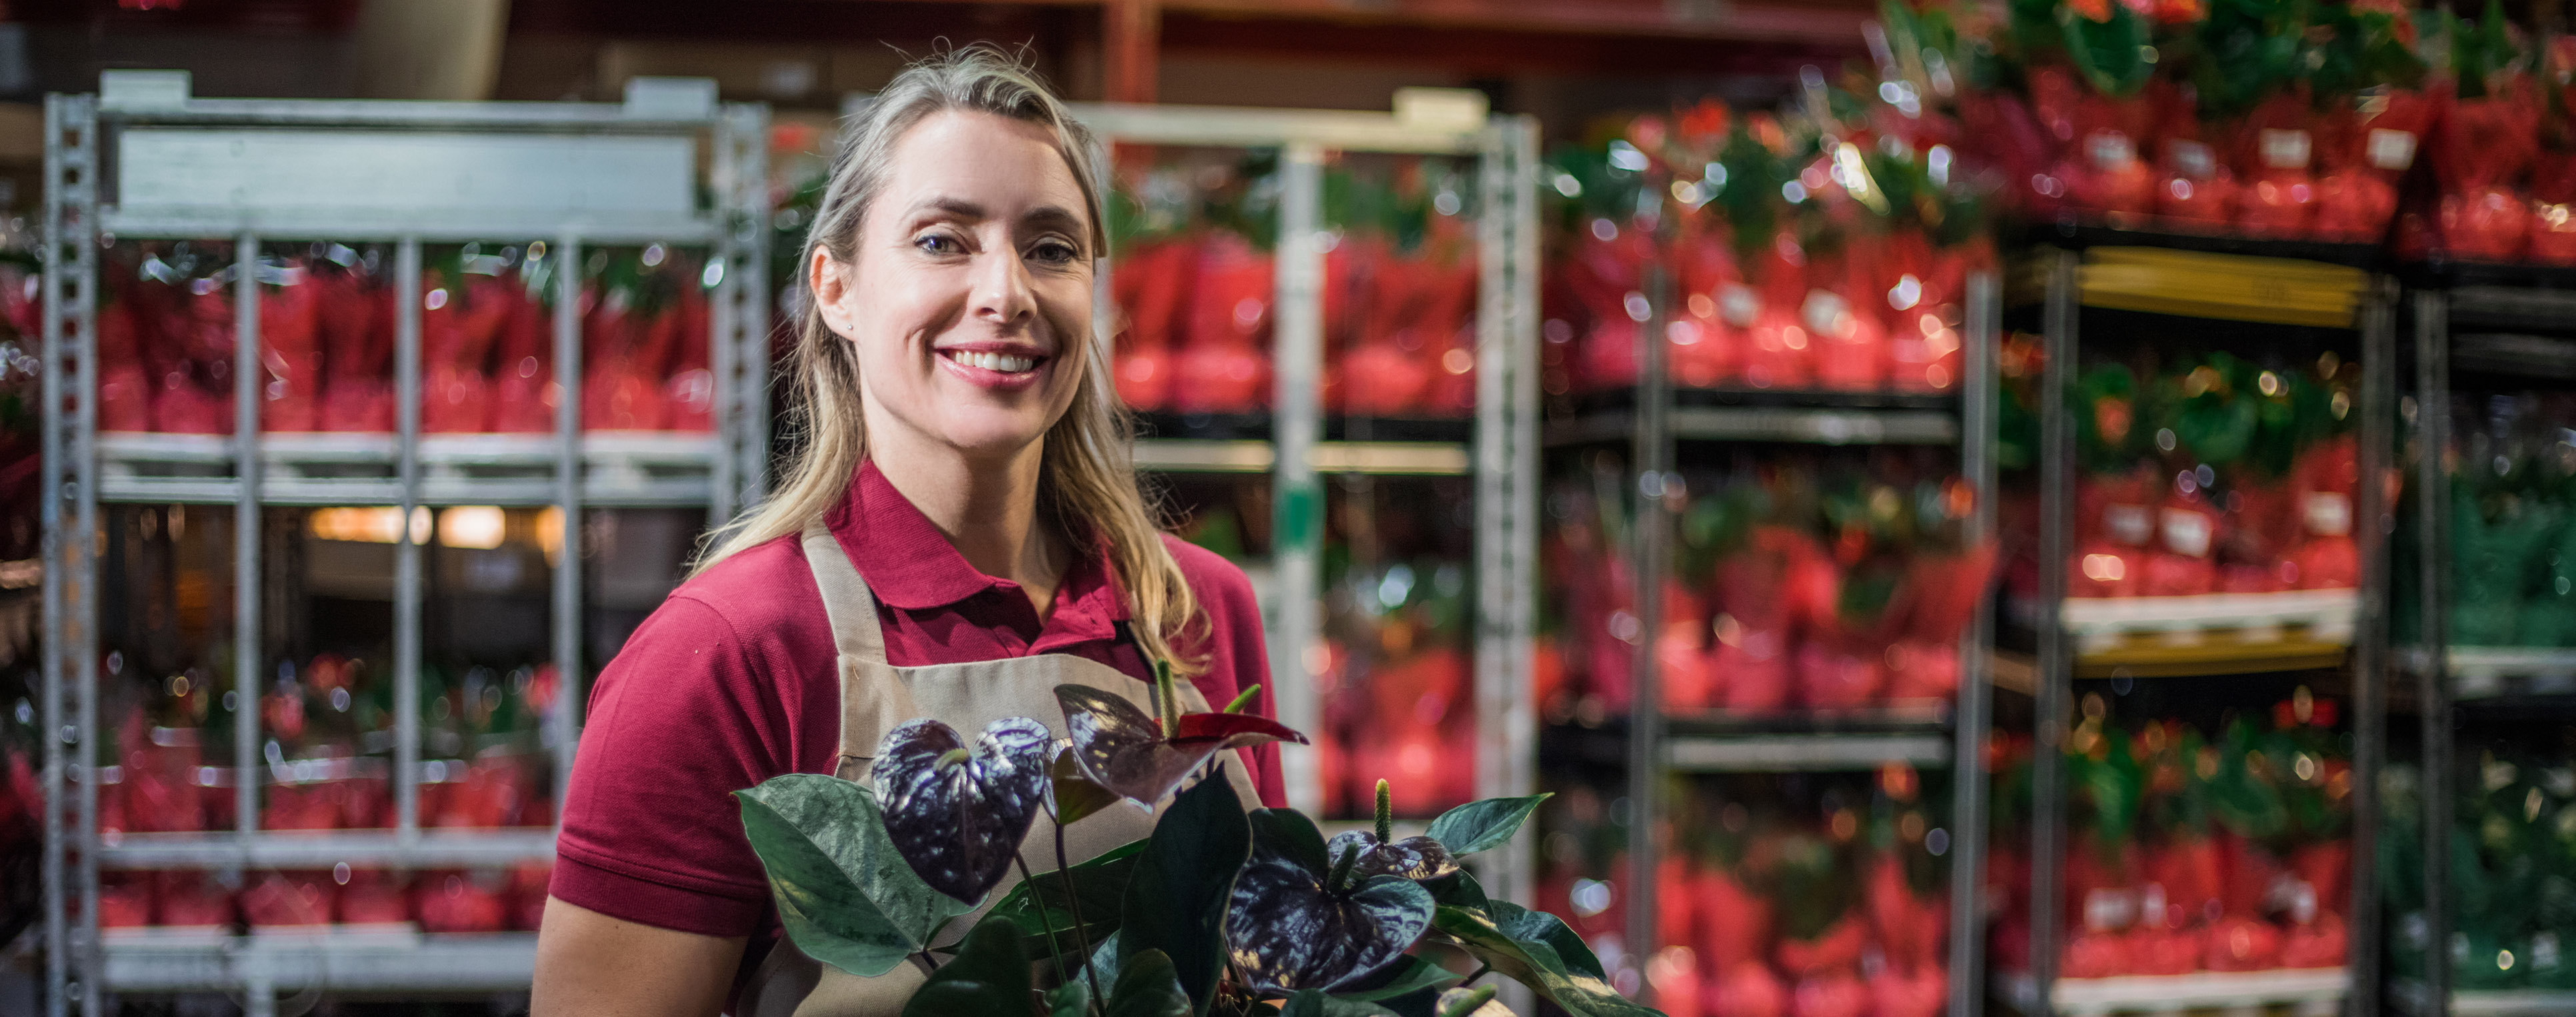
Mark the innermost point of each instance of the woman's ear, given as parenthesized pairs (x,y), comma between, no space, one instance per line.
(830,283)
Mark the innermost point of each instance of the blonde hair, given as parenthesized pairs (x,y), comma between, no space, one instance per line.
(1087,475)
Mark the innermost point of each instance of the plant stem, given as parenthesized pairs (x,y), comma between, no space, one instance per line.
(1039,899)
(1081,929)
(922,960)
(1481,971)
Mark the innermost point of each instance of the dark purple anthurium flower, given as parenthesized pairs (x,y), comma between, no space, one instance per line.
(1130,752)
(1381,853)
(1302,919)
(955,815)
(1414,858)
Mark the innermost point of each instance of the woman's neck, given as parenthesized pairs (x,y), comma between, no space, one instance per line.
(987,510)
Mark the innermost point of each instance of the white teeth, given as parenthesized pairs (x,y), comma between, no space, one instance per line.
(999,362)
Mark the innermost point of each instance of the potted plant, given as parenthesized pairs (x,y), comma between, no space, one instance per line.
(1222,910)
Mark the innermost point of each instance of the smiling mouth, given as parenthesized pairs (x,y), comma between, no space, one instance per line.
(998,363)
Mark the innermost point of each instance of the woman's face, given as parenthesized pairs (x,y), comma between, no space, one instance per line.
(970,294)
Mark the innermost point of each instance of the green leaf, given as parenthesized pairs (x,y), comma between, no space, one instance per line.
(1476,1002)
(1072,999)
(1103,967)
(844,895)
(1483,825)
(1409,976)
(1147,986)
(1460,889)
(1541,927)
(1312,1003)
(989,976)
(1175,901)
(1101,883)
(1292,834)
(1526,950)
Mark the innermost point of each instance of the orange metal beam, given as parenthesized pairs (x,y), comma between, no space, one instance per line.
(1131,32)
(1830,22)
(1826,21)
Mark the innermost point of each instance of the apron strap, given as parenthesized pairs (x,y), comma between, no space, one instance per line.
(846,601)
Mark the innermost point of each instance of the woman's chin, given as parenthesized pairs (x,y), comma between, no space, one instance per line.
(992,440)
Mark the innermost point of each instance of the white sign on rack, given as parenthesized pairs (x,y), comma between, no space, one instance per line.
(302,173)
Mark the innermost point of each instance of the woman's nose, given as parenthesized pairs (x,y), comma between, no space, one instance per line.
(1002,293)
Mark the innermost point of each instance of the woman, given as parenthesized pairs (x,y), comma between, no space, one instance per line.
(962,531)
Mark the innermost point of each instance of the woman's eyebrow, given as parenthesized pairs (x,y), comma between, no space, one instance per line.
(959,207)
(1048,216)
(1054,217)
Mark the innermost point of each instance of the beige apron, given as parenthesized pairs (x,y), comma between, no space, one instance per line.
(876,697)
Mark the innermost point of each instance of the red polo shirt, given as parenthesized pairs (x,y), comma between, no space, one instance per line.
(733,681)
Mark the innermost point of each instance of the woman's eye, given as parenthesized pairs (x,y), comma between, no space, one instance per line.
(1054,252)
(938,243)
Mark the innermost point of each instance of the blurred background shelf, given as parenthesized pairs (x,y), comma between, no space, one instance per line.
(322,849)
(1760,753)
(1383,458)
(325,959)
(620,469)
(1812,425)
(2317,992)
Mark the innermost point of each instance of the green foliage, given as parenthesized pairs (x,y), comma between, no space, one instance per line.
(1537,950)
(1483,825)
(1153,913)
(844,895)
(1175,900)
(989,976)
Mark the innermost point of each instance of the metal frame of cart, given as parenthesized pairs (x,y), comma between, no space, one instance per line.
(1502,457)
(2447,675)
(2065,285)
(567,174)
(1964,420)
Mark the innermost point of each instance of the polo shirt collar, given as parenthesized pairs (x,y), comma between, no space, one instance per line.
(910,565)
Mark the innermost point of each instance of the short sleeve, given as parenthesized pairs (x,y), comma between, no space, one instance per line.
(1237,656)
(679,720)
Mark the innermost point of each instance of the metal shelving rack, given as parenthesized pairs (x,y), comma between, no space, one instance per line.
(1499,448)
(1653,428)
(2065,286)
(2451,324)
(145,159)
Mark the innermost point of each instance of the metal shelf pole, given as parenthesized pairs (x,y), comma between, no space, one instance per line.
(2371,649)
(739,358)
(248,633)
(2056,657)
(1298,532)
(69,508)
(1655,478)
(1977,410)
(2433,511)
(561,724)
(407,552)
(249,540)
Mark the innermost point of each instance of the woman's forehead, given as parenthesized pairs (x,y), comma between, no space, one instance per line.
(982,165)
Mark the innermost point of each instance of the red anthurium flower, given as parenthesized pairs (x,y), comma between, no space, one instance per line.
(1133,754)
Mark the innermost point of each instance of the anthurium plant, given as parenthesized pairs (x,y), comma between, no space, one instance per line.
(1222,910)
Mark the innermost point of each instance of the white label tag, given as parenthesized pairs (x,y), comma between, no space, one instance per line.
(2329,513)
(1737,303)
(2186,533)
(2109,910)
(2194,159)
(1827,314)
(2128,524)
(2390,150)
(2110,150)
(2285,149)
